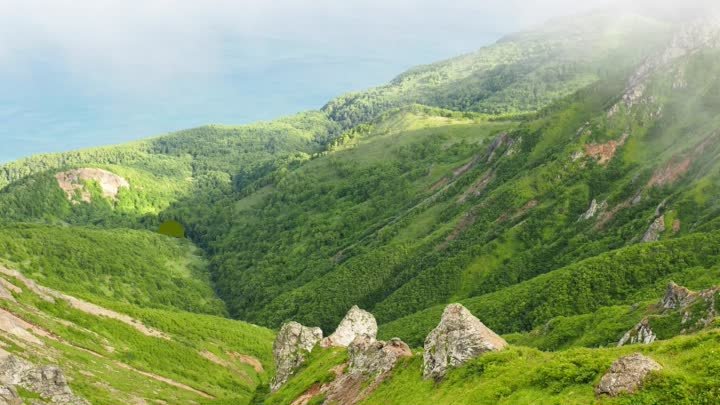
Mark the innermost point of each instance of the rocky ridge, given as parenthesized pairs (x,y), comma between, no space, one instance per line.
(694,311)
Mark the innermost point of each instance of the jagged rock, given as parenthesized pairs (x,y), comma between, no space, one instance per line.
(593,209)
(370,363)
(291,345)
(676,296)
(655,229)
(370,357)
(356,323)
(48,382)
(626,375)
(459,337)
(640,333)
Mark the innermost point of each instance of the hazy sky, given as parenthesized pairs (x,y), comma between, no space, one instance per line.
(88,72)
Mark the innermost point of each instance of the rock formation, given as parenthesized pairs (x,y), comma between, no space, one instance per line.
(72,182)
(48,382)
(640,333)
(626,375)
(655,229)
(459,337)
(370,362)
(696,310)
(291,346)
(593,209)
(676,297)
(369,356)
(356,323)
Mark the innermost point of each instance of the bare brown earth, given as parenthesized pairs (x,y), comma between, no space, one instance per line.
(670,173)
(72,182)
(604,152)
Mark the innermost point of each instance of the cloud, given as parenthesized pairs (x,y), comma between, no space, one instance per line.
(164,40)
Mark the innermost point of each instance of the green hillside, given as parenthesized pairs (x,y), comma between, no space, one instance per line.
(554,183)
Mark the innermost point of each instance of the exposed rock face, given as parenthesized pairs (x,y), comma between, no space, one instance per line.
(369,356)
(9,396)
(370,363)
(655,229)
(459,337)
(640,333)
(626,375)
(676,296)
(593,209)
(356,323)
(48,382)
(71,182)
(696,309)
(291,346)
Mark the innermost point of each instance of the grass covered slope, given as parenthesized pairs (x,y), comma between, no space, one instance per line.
(119,266)
(128,315)
(522,375)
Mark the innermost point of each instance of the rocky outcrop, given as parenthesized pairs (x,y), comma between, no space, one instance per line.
(593,209)
(292,344)
(696,311)
(459,337)
(626,375)
(72,182)
(676,297)
(640,333)
(48,382)
(370,362)
(654,230)
(370,357)
(356,323)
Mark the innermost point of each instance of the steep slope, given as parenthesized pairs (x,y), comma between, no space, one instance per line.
(520,73)
(106,307)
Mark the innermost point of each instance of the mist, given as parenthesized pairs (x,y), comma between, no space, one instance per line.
(90,72)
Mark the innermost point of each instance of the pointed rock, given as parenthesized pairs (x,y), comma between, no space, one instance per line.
(459,337)
(626,375)
(292,344)
(356,323)
(676,296)
(640,333)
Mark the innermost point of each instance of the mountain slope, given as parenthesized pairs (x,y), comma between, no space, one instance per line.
(553,183)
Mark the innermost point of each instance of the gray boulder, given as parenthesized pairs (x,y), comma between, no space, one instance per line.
(356,323)
(459,337)
(292,344)
(369,356)
(48,382)
(626,375)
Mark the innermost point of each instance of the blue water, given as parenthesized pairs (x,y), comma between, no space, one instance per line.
(49,107)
